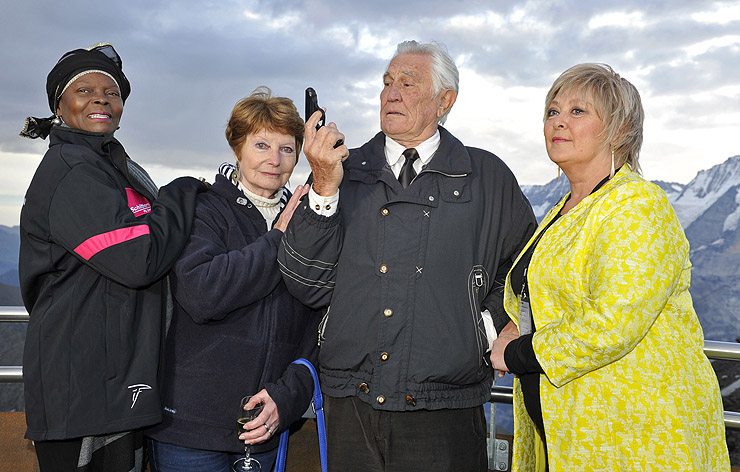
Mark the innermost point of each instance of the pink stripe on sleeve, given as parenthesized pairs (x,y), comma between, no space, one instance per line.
(97,243)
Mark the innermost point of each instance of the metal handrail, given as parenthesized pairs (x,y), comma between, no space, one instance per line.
(11,373)
(499,393)
(722,350)
(503,394)
(13,314)
(713,350)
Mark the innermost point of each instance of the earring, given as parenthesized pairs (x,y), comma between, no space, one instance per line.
(611,175)
(235,174)
(57,120)
(558,173)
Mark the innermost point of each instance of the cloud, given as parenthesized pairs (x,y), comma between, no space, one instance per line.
(189,62)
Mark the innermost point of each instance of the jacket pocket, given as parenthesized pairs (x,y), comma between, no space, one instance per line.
(117,329)
(477,288)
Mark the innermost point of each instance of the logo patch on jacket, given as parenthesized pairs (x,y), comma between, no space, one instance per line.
(137,389)
(138,204)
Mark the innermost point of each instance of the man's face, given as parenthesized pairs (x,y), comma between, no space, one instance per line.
(408,109)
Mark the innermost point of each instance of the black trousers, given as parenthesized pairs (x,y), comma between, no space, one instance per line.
(58,456)
(360,438)
(121,452)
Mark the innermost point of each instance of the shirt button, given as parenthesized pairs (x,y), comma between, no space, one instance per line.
(431,198)
(456,193)
(364,387)
(380,399)
(410,400)
(388,312)
(383,268)
(384,356)
(385,211)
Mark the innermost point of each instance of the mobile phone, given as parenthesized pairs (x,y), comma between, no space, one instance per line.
(312,105)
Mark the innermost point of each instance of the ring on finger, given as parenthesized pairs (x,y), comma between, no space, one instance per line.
(269,431)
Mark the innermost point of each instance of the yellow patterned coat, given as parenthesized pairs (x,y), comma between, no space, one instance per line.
(627,386)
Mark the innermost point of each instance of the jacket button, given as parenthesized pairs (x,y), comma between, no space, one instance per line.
(387,312)
(410,400)
(380,399)
(364,387)
(383,268)
(385,211)
(384,356)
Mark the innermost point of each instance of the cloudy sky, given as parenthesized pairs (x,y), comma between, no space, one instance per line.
(189,62)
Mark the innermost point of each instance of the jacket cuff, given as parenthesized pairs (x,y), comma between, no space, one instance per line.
(325,206)
(292,394)
(520,358)
(314,219)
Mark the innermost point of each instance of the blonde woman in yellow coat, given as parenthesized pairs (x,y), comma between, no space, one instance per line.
(607,348)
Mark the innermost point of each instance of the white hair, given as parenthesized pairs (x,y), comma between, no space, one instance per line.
(443,69)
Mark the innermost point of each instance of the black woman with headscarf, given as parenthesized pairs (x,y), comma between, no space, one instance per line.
(97,242)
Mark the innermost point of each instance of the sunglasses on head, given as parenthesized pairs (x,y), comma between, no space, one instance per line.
(110,53)
(105,48)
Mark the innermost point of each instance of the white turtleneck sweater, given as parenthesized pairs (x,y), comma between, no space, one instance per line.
(269,207)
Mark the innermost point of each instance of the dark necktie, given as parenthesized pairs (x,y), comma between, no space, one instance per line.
(408,173)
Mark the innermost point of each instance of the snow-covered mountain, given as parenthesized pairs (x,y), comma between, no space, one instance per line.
(544,197)
(709,210)
(708,187)
(672,189)
(691,201)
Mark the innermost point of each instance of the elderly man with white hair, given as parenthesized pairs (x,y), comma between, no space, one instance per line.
(409,262)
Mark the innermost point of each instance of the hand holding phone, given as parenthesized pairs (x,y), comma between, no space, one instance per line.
(312,106)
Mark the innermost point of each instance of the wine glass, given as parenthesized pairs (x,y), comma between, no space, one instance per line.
(246,463)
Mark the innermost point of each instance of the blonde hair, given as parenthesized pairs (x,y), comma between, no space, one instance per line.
(259,111)
(616,102)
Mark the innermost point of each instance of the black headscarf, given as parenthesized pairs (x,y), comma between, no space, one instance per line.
(101,57)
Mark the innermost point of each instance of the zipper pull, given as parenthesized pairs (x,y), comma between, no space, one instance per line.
(478,279)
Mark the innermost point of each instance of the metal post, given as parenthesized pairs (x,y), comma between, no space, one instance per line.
(498,449)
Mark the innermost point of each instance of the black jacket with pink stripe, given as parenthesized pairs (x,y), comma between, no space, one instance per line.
(96,246)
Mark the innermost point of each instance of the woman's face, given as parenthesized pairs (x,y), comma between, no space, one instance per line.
(92,103)
(266,160)
(572,132)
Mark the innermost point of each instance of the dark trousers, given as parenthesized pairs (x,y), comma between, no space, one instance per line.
(360,438)
(121,452)
(58,456)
